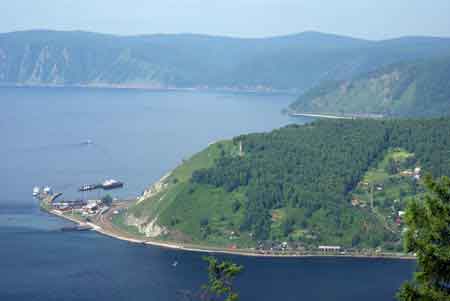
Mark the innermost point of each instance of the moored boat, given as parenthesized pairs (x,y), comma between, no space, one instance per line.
(88,187)
(36,191)
(111,184)
(76,228)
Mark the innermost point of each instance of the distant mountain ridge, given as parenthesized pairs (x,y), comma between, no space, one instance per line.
(420,88)
(296,62)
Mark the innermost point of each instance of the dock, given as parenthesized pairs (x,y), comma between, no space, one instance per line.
(48,198)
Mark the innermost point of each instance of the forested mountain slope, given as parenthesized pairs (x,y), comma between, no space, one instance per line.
(299,184)
(406,89)
(186,60)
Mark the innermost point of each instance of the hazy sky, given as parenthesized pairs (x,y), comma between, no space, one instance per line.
(374,19)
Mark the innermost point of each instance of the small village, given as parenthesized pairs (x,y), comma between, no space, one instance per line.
(376,196)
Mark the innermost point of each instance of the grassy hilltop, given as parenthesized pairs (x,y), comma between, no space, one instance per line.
(329,182)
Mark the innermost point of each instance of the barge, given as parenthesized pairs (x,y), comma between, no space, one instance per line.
(76,228)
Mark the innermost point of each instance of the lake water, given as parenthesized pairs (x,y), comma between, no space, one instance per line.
(137,137)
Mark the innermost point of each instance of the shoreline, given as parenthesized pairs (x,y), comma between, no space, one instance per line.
(151,88)
(103,225)
(211,250)
(319,116)
(334,116)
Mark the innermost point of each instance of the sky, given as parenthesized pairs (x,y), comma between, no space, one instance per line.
(369,19)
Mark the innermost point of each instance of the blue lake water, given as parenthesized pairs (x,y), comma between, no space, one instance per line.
(137,137)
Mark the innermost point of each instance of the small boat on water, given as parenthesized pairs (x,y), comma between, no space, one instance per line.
(36,191)
(175,263)
(87,142)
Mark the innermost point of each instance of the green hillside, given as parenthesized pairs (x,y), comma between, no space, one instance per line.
(159,61)
(407,89)
(329,182)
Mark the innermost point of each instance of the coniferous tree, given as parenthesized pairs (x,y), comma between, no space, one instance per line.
(220,280)
(428,236)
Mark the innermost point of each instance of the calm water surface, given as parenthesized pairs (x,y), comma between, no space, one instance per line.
(137,137)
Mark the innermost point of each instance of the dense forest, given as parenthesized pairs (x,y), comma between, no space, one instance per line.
(418,88)
(296,62)
(296,183)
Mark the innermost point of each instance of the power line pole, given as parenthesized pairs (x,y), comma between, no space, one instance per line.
(241,153)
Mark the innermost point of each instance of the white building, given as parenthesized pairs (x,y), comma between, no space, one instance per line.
(329,248)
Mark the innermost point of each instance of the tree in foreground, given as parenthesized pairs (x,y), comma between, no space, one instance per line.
(428,236)
(220,280)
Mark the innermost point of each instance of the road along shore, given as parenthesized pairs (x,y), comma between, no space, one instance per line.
(104,226)
(334,116)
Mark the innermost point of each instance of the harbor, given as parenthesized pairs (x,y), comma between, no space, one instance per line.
(80,211)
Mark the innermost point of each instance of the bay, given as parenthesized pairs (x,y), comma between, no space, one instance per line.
(137,136)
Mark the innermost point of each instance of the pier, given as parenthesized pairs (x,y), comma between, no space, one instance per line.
(48,198)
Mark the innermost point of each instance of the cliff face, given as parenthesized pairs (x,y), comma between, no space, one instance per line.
(44,63)
(290,62)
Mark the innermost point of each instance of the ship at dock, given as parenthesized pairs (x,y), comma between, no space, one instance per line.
(89,187)
(106,185)
(36,191)
(39,192)
(111,184)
